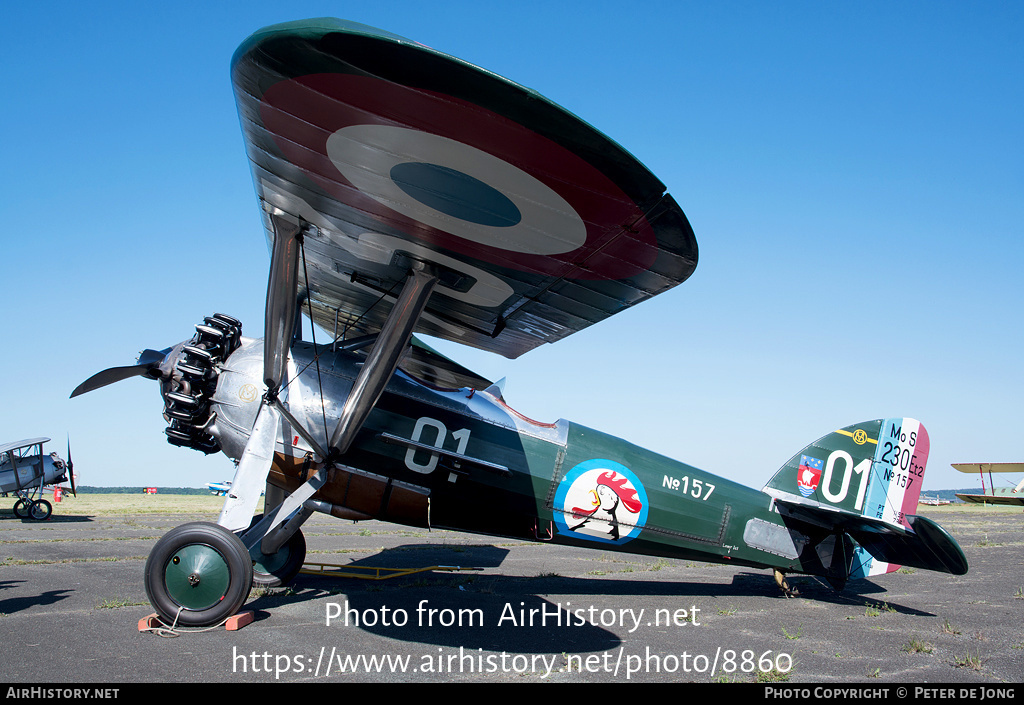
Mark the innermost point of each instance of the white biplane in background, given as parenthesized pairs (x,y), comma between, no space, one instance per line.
(993,494)
(25,470)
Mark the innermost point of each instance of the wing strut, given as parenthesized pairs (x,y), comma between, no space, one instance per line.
(279,323)
(280,522)
(383,358)
(380,365)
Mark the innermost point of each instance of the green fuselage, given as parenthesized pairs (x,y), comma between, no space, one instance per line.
(482,467)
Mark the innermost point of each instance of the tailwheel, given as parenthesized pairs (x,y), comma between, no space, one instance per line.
(282,567)
(198,574)
(780,580)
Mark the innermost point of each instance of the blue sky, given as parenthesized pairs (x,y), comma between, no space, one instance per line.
(854,174)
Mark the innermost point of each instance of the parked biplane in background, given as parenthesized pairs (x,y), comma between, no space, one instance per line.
(403,191)
(993,494)
(25,470)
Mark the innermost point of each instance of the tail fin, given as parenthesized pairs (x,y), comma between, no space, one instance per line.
(864,481)
(873,469)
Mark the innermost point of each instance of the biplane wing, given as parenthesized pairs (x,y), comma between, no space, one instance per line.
(391,156)
(17,445)
(993,494)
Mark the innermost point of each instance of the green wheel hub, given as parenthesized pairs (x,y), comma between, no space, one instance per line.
(197,576)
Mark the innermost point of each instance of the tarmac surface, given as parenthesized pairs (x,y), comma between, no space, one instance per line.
(72,596)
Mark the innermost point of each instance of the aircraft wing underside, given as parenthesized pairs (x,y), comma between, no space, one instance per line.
(394,156)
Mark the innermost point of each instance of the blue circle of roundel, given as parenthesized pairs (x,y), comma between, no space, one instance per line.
(581,476)
(455,193)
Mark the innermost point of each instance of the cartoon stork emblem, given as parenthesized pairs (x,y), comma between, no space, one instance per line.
(601,500)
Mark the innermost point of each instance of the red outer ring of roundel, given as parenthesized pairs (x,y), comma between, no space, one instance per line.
(302,113)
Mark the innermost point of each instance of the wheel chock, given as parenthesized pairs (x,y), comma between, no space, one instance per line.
(232,624)
(237,621)
(150,621)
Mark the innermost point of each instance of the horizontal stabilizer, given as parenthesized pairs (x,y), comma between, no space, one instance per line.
(926,545)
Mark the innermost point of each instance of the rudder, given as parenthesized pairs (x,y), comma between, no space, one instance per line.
(873,470)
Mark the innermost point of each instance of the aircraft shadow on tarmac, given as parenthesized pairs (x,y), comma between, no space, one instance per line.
(493,612)
(17,604)
(53,519)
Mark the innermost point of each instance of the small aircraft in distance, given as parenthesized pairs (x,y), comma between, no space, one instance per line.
(219,488)
(406,191)
(25,470)
(993,495)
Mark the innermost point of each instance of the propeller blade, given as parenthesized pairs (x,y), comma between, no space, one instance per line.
(147,366)
(71,469)
(253,467)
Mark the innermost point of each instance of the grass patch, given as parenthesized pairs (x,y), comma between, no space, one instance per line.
(968,661)
(117,603)
(876,608)
(41,561)
(773,676)
(916,646)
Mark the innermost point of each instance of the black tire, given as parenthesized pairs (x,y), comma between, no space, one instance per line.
(281,568)
(21,508)
(40,510)
(198,574)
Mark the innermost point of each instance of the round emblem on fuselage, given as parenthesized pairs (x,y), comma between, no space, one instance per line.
(601,500)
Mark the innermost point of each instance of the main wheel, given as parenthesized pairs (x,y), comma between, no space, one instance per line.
(21,508)
(198,574)
(40,510)
(282,567)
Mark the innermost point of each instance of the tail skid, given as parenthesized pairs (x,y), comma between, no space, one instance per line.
(861,485)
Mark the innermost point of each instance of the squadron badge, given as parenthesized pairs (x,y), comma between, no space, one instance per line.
(601,500)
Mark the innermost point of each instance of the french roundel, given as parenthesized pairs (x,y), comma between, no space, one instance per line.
(457,176)
(456,188)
